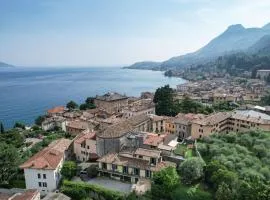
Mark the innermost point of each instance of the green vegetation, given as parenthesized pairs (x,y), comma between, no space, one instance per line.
(191,170)
(39,120)
(81,190)
(164,101)
(166,105)
(14,151)
(2,129)
(92,171)
(164,182)
(9,160)
(19,125)
(89,104)
(238,164)
(182,150)
(224,106)
(72,105)
(69,169)
(184,192)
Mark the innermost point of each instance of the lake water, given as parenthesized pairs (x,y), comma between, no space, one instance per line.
(26,93)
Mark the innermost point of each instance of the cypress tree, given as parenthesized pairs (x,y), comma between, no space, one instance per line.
(2,130)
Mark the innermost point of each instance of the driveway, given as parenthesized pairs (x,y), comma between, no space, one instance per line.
(111,184)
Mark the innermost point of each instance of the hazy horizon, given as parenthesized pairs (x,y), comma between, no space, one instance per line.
(105,33)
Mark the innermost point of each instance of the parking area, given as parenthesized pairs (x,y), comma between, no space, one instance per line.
(111,184)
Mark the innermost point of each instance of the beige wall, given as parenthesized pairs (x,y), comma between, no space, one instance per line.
(111,106)
(78,149)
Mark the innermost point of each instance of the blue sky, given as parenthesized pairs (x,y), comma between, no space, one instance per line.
(116,32)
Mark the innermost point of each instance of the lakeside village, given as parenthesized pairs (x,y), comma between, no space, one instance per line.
(120,147)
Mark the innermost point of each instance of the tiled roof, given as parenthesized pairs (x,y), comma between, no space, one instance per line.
(153,140)
(111,96)
(123,127)
(77,125)
(49,157)
(213,119)
(27,195)
(84,136)
(251,116)
(147,152)
(58,109)
(133,162)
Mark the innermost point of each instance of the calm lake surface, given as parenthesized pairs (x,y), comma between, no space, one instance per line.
(26,93)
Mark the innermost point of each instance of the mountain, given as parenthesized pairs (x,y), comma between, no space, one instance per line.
(235,39)
(145,65)
(4,65)
(262,47)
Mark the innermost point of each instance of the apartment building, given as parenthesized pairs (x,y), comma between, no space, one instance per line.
(142,163)
(42,171)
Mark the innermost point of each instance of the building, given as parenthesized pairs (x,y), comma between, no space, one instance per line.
(142,163)
(224,122)
(111,102)
(77,127)
(158,123)
(263,74)
(56,111)
(245,120)
(54,122)
(42,171)
(85,146)
(142,106)
(169,125)
(214,123)
(115,137)
(16,194)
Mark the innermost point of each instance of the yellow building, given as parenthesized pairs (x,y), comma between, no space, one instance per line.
(170,126)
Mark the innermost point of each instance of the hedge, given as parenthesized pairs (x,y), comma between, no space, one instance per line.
(81,190)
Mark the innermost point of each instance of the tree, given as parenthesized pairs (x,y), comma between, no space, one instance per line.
(9,161)
(164,182)
(72,105)
(163,99)
(19,125)
(2,129)
(224,192)
(39,120)
(191,169)
(90,100)
(69,169)
(92,171)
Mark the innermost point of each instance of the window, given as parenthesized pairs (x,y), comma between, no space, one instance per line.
(140,156)
(39,176)
(87,146)
(44,184)
(44,176)
(137,171)
(39,184)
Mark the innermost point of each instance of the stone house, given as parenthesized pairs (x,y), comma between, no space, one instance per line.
(111,102)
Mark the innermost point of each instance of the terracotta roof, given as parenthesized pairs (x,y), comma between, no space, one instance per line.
(84,136)
(133,162)
(214,118)
(26,195)
(123,127)
(251,116)
(77,125)
(147,152)
(58,109)
(153,140)
(49,157)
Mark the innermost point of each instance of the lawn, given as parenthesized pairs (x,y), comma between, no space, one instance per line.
(182,150)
